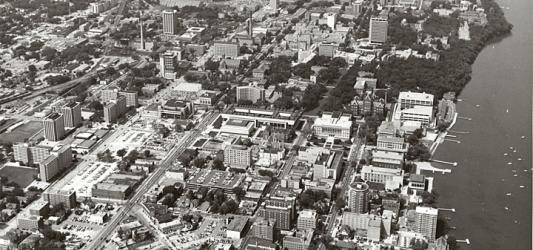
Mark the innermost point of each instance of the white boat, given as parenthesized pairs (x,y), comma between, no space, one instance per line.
(507,111)
(509,163)
(522,187)
(508,194)
(477,105)
(511,148)
(519,159)
(514,151)
(506,208)
(523,137)
(505,154)
(515,175)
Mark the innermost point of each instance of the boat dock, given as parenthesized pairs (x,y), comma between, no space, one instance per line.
(426,166)
(445,162)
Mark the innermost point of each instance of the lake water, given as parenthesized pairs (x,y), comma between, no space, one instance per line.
(493,211)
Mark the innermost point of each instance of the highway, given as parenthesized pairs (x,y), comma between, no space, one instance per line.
(177,150)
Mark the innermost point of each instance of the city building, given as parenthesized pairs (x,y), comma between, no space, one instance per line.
(411,99)
(338,126)
(176,109)
(237,226)
(392,177)
(49,168)
(108,95)
(274,4)
(38,153)
(327,49)
(21,153)
(250,93)
(116,186)
(373,232)
(54,127)
(358,197)
(39,208)
(187,90)
(167,64)
(54,197)
(63,154)
(170,22)
(29,222)
(238,156)
(378,30)
(72,114)
(264,229)
(426,222)
(110,113)
(419,114)
(226,49)
(306,219)
(331,20)
(210,178)
(387,159)
(300,241)
(281,209)
(391,143)
(328,166)
(131,98)
(238,127)
(264,116)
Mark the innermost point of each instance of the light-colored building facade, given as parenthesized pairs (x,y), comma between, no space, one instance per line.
(72,114)
(329,125)
(378,30)
(250,93)
(238,156)
(358,197)
(426,222)
(170,22)
(54,127)
(306,219)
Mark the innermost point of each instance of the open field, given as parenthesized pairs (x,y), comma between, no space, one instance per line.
(22,132)
(21,175)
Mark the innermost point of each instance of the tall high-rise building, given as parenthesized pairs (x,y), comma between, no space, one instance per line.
(121,105)
(108,95)
(250,93)
(238,156)
(54,127)
(63,154)
(331,20)
(39,153)
(358,197)
(49,168)
(131,98)
(408,99)
(378,30)
(167,64)
(306,219)
(54,197)
(110,113)
(279,209)
(71,114)
(426,222)
(170,22)
(264,229)
(21,152)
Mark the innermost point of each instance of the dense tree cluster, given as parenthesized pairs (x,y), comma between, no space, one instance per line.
(343,93)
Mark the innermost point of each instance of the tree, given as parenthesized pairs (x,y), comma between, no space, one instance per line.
(199,162)
(96,105)
(32,68)
(340,202)
(218,164)
(121,152)
(417,244)
(239,192)
(147,154)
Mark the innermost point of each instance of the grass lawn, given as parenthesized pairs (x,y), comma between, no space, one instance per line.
(22,132)
(21,175)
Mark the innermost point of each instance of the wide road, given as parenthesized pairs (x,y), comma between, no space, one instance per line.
(177,150)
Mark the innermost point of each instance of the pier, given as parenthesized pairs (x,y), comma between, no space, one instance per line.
(445,162)
(451,136)
(426,166)
(465,118)
(459,132)
(467,241)
(452,140)
(447,209)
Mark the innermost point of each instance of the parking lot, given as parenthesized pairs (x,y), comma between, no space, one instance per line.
(88,176)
